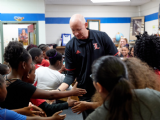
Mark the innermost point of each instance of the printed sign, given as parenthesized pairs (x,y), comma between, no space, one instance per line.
(17,18)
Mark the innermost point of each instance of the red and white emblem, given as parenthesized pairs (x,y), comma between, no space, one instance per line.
(95,46)
(78,52)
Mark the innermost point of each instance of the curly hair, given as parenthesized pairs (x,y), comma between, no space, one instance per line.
(15,53)
(147,48)
(141,75)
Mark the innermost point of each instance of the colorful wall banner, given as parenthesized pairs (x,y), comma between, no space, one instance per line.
(22,17)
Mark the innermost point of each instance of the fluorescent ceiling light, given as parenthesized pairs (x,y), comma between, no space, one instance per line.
(103,1)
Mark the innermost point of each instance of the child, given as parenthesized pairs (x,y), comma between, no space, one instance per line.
(48,109)
(37,56)
(44,48)
(125,51)
(141,79)
(141,75)
(4,69)
(147,48)
(48,78)
(123,41)
(131,52)
(20,92)
(31,46)
(11,115)
(45,61)
(121,101)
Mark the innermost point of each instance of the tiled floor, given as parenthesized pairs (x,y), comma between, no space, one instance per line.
(71,115)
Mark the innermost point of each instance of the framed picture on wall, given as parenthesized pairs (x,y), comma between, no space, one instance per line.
(94,24)
(23,35)
(136,28)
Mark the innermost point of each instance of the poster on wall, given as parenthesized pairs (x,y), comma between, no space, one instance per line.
(65,39)
(23,36)
(137,27)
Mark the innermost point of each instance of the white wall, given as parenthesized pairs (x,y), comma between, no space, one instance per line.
(22,6)
(26,6)
(147,9)
(54,31)
(42,32)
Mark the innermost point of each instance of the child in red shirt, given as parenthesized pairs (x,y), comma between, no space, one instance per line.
(44,49)
(36,54)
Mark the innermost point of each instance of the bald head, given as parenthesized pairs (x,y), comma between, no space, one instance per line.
(76,18)
(78,26)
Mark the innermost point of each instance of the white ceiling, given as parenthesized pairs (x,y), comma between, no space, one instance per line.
(88,2)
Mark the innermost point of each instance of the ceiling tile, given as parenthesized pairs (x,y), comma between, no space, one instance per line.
(88,2)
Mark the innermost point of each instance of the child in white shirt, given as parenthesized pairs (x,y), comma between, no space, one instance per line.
(48,78)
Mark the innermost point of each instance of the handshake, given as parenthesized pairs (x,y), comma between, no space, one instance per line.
(77,106)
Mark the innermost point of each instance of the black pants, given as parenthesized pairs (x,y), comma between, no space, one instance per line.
(86,113)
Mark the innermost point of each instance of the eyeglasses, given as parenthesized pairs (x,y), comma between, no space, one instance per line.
(91,76)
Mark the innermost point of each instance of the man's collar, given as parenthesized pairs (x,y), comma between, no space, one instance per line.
(90,34)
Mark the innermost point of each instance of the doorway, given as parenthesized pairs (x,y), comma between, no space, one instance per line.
(24,32)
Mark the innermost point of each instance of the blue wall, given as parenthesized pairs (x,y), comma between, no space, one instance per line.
(151,17)
(26,17)
(65,20)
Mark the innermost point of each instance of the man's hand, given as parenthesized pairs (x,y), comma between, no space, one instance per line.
(79,107)
(71,102)
(78,91)
(56,116)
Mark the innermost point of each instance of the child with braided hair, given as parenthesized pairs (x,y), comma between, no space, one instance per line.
(147,48)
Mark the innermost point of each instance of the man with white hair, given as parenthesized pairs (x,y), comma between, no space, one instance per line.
(80,52)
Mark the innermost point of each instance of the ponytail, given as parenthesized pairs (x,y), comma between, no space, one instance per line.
(111,73)
(120,103)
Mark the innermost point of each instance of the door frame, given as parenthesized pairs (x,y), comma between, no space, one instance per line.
(17,22)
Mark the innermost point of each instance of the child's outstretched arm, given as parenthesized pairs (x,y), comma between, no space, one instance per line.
(42,94)
(81,106)
(56,116)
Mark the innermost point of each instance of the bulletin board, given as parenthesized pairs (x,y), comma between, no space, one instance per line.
(94,24)
(65,38)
